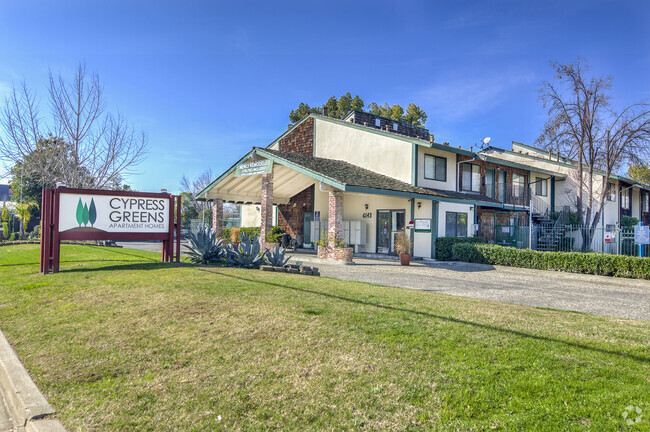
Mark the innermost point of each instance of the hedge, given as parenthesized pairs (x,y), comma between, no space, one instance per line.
(574,262)
(444,245)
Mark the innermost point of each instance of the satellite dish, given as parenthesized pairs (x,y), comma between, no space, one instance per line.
(486,140)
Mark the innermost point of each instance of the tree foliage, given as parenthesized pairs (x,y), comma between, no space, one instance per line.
(100,148)
(191,208)
(584,126)
(640,172)
(339,108)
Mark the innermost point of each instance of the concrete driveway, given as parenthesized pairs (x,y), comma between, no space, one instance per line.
(598,295)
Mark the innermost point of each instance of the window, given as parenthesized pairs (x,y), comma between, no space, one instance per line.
(625,198)
(646,202)
(377,122)
(435,168)
(502,186)
(489,182)
(395,127)
(611,196)
(456,224)
(518,185)
(471,180)
(541,186)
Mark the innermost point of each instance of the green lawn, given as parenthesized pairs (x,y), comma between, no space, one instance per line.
(119,341)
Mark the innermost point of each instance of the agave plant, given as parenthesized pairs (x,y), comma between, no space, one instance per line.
(276,258)
(204,247)
(246,254)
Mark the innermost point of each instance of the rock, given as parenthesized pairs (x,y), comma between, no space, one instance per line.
(266,268)
(315,273)
(306,272)
(293,271)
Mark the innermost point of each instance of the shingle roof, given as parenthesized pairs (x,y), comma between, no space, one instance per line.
(352,175)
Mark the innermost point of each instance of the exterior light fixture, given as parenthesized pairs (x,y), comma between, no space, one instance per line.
(419,204)
(366,206)
(60,184)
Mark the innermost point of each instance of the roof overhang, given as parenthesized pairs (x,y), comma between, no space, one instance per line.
(289,179)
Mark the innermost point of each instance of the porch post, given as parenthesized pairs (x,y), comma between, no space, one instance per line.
(267,207)
(217,217)
(334,218)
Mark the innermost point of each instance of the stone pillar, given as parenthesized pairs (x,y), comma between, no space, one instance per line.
(335,218)
(217,217)
(266,207)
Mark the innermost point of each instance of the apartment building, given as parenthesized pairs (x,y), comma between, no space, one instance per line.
(373,177)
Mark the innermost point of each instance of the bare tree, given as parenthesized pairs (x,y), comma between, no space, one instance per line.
(104,147)
(193,187)
(583,126)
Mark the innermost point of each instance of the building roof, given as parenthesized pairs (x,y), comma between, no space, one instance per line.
(352,178)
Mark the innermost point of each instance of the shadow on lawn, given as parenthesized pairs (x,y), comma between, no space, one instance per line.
(445,318)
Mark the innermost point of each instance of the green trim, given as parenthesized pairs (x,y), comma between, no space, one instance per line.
(528,168)
(434,228)
(396,136)
(301,169)
(313,145)
(224,175)
(552,193)
(414,164)
(412,234)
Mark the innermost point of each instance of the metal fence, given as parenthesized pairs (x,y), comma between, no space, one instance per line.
(569,238)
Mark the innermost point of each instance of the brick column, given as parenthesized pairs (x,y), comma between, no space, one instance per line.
(267,207)
(335,218)
(217,217)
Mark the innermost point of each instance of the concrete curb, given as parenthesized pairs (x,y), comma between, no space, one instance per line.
(25,403)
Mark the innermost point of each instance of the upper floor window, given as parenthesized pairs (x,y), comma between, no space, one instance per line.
(377,122)
(518,185)
(435,168)
(541,187)
(395,127)
(625,198)
(611,195)
(646,202)
(471,178)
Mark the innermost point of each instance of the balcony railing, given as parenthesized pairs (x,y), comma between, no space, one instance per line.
(514,194)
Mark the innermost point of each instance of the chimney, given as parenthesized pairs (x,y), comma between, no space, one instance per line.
(550,156)
(471,148)
(325,111)
(431,138)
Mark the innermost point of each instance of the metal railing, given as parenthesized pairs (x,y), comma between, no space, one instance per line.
(568,238)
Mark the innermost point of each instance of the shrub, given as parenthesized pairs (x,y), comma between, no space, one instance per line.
(574,262)
(275,234)
(629,222)
(12,236)
(250,231)
(444,245)
(5,230)
(225,233)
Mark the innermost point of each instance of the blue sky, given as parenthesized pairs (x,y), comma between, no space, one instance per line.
(208,80)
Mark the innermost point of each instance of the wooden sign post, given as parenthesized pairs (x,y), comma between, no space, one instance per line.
(87,214)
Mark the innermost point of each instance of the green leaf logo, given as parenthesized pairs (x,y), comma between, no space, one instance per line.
(80,212)
(92,212)
(85,216)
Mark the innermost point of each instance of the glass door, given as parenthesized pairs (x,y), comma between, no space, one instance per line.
(489,182)
(307,219)
(389,223)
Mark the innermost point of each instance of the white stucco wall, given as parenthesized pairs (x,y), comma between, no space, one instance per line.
(383,154)
(251,215)
(450,183)
(354,209)
(444,207)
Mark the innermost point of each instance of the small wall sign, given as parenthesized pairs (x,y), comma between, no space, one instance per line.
(423,225)
(642,235)
(255,167)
